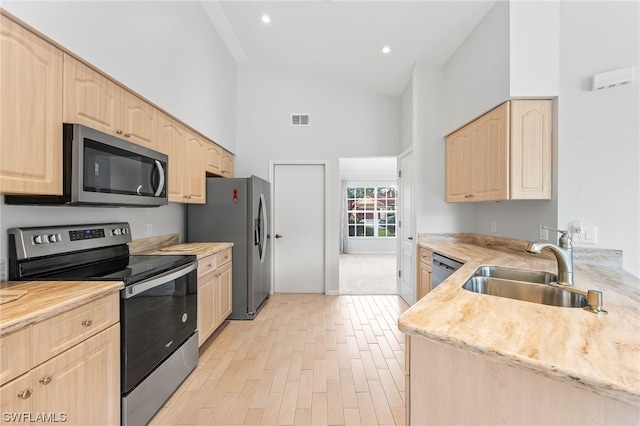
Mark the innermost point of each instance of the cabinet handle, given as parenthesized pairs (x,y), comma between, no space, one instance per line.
(119,132)
(126,135)
(209,265)
(46,380)
(25,394)
(87,323)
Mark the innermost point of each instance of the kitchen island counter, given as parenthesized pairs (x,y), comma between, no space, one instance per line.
(598,352)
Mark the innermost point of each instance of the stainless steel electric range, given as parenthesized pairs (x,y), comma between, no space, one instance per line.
(158,305)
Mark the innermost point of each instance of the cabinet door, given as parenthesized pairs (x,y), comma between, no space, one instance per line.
(530,149)
(90,98)
(82,382)
(424,280)
(224,303)
(227,164)
(30,113)
(15,399)
(15,356)
(490,155)
(139,122)
(458,164)
(206,306)
(213,159)
(194,169)
(171,137)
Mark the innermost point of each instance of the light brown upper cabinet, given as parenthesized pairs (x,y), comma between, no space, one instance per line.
(194,175)
(503,155)
(227,164)
(171,140)
(30,112)
(213,159)
(95,101)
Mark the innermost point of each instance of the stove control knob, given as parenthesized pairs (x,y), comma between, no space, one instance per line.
(125,231)
(37,239)
(116,232)
(52,238)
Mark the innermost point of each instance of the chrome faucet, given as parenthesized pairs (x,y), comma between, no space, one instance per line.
(563,253)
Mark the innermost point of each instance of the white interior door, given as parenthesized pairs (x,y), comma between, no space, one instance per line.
(406,258)
(299,228)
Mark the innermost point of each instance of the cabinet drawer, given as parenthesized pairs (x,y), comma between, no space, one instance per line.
(206,265)
(425,256)
(213,262)
(15,357)
(223,257)
(63,331)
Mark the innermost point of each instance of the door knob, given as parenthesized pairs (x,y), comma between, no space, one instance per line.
(410,238)
(278,236)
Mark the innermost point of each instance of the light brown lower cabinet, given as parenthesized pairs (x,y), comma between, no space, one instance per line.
(456,386)
(424,272)
(78,386)
(214,292)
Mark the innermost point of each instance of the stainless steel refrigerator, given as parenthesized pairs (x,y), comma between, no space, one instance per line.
(236,211)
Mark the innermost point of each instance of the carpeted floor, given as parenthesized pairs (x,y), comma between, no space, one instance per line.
(368,274)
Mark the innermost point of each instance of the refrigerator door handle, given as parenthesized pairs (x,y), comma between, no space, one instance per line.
(263,228)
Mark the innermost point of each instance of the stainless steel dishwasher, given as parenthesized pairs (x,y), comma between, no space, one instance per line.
(442,268)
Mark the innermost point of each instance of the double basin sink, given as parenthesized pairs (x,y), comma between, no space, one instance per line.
(528,286)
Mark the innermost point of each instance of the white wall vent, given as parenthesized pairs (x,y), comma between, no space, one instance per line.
(299,119)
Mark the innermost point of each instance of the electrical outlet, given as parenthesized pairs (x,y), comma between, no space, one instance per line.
(494,227)
(149,229)
(577,231)
(544,233)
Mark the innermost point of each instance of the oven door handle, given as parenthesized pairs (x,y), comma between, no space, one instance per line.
(158,280)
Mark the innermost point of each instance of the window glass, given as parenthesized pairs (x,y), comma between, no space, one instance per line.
(371,211)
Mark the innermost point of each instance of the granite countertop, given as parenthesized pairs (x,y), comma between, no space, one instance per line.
(598,352)
(201,250)
(45,299)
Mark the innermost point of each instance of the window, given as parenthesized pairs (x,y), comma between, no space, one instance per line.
(371,211)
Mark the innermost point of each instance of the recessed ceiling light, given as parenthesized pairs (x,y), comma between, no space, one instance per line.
(266,19)
(386,50)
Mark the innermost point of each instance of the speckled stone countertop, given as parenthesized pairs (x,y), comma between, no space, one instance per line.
(45,299)
(199,249)
(600,353)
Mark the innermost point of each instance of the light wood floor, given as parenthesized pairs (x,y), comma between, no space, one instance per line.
(305,359)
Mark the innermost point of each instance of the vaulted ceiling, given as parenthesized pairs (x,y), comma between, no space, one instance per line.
(342,41)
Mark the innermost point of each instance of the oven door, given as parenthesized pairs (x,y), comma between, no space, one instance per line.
(157,316)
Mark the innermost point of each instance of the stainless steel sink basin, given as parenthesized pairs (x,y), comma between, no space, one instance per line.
(538,277)
(528,292)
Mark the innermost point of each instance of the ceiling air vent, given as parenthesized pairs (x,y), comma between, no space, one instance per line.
(299,119)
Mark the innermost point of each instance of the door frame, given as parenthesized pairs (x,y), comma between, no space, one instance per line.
(272,170)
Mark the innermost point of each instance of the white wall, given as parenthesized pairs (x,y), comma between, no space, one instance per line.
(433,214)
(406,117)
(533,48)
(169,53)
(344,123)
(476,76)
(599,172)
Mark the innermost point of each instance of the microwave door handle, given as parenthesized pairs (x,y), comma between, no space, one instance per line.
(160,171)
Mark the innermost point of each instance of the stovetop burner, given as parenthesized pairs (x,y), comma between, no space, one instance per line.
(130,270)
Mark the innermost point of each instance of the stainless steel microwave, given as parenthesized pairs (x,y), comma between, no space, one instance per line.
(103,170)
